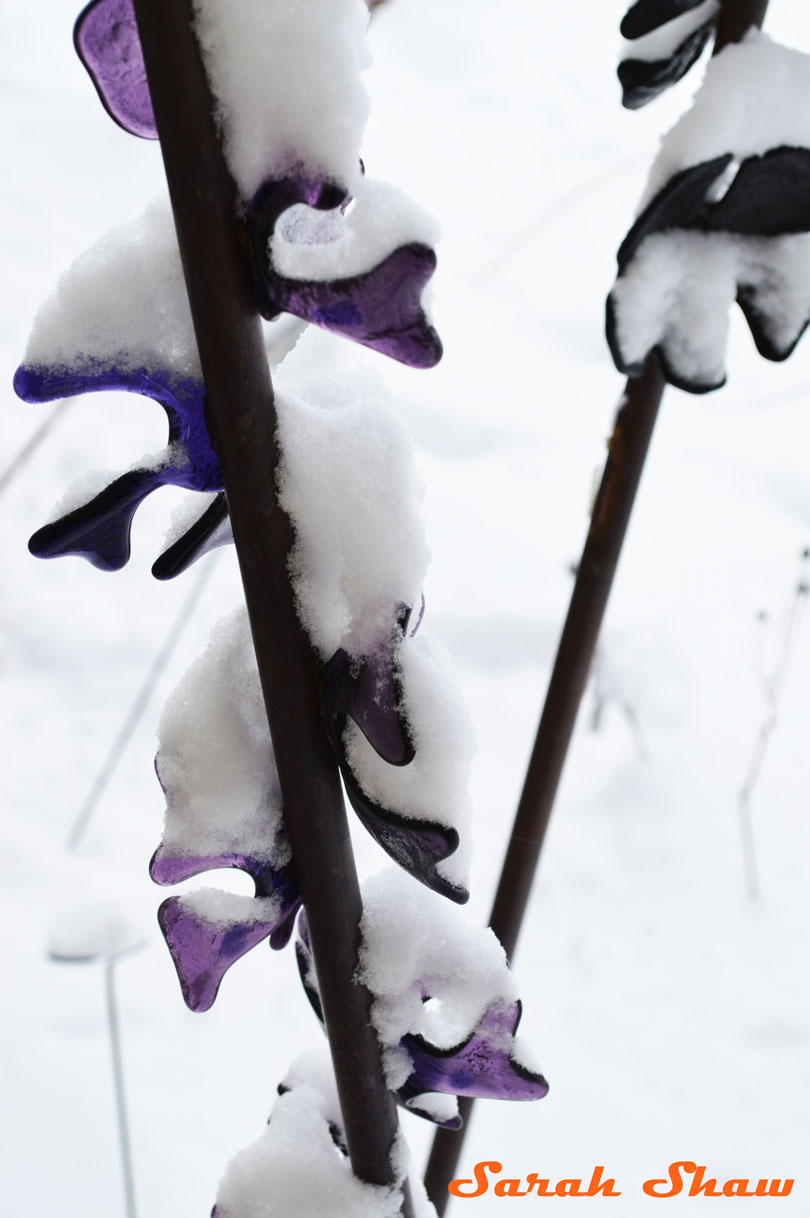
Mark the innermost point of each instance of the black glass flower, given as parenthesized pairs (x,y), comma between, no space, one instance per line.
(368,691)
(719,231)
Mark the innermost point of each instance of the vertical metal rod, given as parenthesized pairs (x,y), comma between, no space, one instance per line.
(241,418)
(569,678)
(627,453)
(120,1095)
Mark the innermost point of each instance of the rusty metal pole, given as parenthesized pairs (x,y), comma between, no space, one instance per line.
(627,451)
(241,418)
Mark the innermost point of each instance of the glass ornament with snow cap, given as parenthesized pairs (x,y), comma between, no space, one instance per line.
(483,1064)
(223,800)
(718,232)
(725,217)
(358,282)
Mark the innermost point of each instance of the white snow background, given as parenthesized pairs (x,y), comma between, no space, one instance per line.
(669,1012)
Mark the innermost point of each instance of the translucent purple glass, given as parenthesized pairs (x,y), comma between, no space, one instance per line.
(204,949)
(368,691)
(482,1066)
(106,39)
(99,530)
(380,308)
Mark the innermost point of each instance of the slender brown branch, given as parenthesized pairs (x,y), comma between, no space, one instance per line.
(242,421)
(614,502)
(735,19)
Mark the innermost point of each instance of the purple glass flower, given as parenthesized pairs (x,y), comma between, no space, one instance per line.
(368,691)
(481,1066)
(107,42)
(99,530)
(205,944)
(380,308)
(207,932)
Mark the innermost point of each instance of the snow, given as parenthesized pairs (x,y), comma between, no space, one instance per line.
(215,757)
(286,77)
(414,941)
(186,512)
(94,930)
(669,1011)
(680,286)
(81,490)
(665,40)
(121,303)
(222,910)
(346,457)
(295,1168)
(726,116)
(309,244)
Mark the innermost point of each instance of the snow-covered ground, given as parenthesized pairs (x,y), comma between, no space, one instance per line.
(669,1011)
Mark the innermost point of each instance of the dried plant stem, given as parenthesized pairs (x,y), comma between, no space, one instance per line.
(773,686)
(241,418)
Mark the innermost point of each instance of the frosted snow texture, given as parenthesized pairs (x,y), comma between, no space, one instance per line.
(347,480)
(215,757)
(119,320)
(728,115)
(295,1169)
(287,80)
(678,290)
(122,302)
(414,943)
(446,982)
(312,244)
(299,1166)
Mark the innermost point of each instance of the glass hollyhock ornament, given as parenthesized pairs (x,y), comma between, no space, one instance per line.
(725,218)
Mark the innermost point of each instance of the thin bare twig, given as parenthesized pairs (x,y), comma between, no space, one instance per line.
(773,686)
